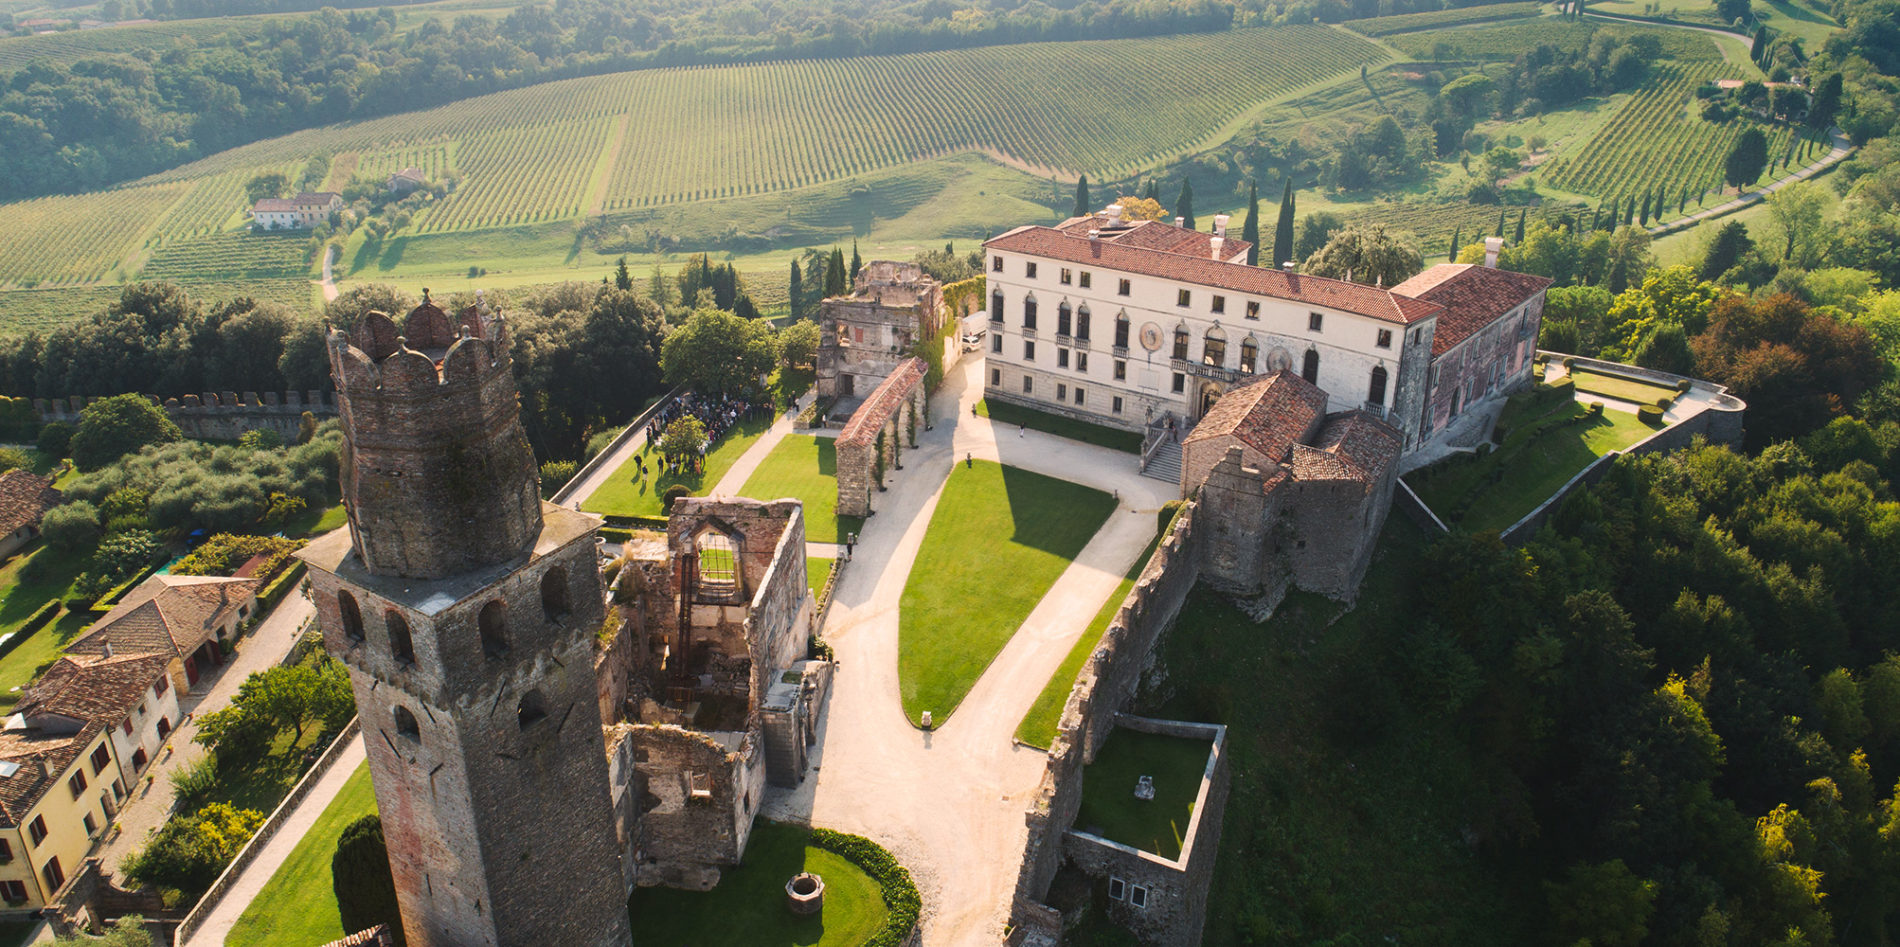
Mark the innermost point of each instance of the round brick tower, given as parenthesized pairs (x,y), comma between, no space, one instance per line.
(437,473)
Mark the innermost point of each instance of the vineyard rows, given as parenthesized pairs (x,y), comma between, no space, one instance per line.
(78,239)
(1434,224)
(70,45)
(240,254)
(1432,19)
(435,160)
(1655,138)
(1507,41)
(522,176)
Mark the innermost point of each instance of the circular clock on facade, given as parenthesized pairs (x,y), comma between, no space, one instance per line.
(1151,337)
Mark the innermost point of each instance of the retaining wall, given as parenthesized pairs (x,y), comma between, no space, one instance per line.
(218,416)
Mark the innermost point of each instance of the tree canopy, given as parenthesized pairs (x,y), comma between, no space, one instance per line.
(716,351)
(111,428)
(1369,255)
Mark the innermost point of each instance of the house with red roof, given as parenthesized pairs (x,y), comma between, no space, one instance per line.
(186,619)
(24,499)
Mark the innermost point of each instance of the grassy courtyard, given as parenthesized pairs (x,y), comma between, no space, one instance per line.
(806,468)
(1000,537)
(627,493)
(1109,807)
(1038,728)
(1493,491)
(298,905)
(818,572)
(1007,414)
(748,906)
(30,580)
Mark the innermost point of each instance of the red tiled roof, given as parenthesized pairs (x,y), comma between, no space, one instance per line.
(1270,415)
(1335,294)
(1474,296)
(24,498)
(1154,235)
(26,747)
(869,418)
(168,615)
(377,936)
(104,690)
(1353,445)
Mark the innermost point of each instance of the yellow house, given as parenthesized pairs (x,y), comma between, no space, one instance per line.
(56,798)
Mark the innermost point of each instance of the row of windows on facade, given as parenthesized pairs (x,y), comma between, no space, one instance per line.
(1249,355)
(491,622)
(37,830)
(1214,349)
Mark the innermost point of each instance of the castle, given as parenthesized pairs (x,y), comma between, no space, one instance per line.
(520,802)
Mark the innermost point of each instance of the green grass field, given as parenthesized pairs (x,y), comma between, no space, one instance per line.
(748,905)
(1616,386)
(1109,807)
(298,904)
(1005,415)
(818,572)
(30,580)
(805,468)
(628,494)
(1537,458)
(1039,725)
(1000,537)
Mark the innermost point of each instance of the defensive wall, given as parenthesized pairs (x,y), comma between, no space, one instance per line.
(873,440)
(216,416)
(1103,689)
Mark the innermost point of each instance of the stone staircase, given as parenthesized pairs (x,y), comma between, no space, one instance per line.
(1166,463)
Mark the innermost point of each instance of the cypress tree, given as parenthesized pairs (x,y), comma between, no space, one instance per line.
(1250,228)
(1283,229)
(797,292)
(1153,193)
(360,876)
(1500,231)
(622,278)
(1629,213)
(1519,239)
(1456,236)
(1682,206)
(1760,46)
(834,273)
(1643,216)
(1184,206)
(1082,206)
(857,262)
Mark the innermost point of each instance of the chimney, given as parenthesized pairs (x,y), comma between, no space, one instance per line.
(1113,213)
(1180,221)
(1216,243)
(1491,247)
(107,650)
(1220,225)
(46,770)
(1095,235)
(1290,267)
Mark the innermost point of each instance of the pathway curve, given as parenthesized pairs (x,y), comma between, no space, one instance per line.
(329,279)
(150,805)
(950,803)
(245,887)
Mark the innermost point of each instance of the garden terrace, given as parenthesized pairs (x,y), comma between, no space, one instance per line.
(1110,809)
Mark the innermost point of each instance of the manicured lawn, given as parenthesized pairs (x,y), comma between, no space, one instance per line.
(806,468)
(298,904)
(748,906)
(1006,414)
(998,539)
(1497,490)
(1038,728)
(1109,807)
(316,522)
(628,494)
(27,582)
(264,782)
(818,571)
(1618,387)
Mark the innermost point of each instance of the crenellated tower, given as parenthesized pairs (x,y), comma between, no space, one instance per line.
(466,611)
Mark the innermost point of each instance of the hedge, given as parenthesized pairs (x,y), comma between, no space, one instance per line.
(1650,414)
(34,622)
(279,587)
(901,900)
(111,598)
(615,534)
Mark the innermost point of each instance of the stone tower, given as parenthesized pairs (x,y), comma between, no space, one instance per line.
(466,611)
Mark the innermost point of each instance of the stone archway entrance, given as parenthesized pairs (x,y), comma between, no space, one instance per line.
(1210,393)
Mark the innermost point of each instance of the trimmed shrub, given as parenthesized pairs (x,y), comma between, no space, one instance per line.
(1569,363)
(615,534)
(279,587)
(901,901)
(1665,402)
(1683,386)
(360,876)
(1650,415)
(225,553)
(1565,385)
(675,492)
(1596,409)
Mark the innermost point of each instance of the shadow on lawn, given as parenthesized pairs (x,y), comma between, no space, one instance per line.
(1032,498)
(749,901)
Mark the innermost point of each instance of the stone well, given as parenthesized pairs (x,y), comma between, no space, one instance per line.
(805,893)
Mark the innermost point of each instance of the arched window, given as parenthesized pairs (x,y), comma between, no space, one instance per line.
(1181,343)
(401,643)
(554,595)
(1082,323)
(493,622)
(532,710)
(1029,312)
(718,562)
(406,725)
(352,617)
(996,306)
(1064,319)
(1214,348)
(1309,370)
(1376,394)
(1249,356)
(1121,330)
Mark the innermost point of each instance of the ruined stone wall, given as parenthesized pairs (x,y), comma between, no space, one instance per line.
(1199,457)
(892,409)
(1104,687)
(217,416)
(614,664)
(779,620)
(700,793)
(1335,527)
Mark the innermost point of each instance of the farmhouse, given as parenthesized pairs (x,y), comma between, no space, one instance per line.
(1153,323)
(184,618)
(24,499)
(406,180)
(302,212)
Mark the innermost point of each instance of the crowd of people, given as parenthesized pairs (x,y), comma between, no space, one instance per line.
(716,413)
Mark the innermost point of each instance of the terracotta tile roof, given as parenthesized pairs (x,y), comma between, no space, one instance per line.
(1269,415)
(1353,445)
(1340,295)
(1474,296)
(168,615)
(26,747)
(104,690)
(869,418)
(24,498)
(305,200)
(1155,235)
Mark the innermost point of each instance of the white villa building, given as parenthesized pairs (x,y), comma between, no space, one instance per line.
(302,212)
(1143,325)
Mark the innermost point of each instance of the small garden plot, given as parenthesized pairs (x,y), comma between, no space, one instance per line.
(805,468)
(1110,807)
(298,904)
(1000,537)
(627,493)
(1618,386)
